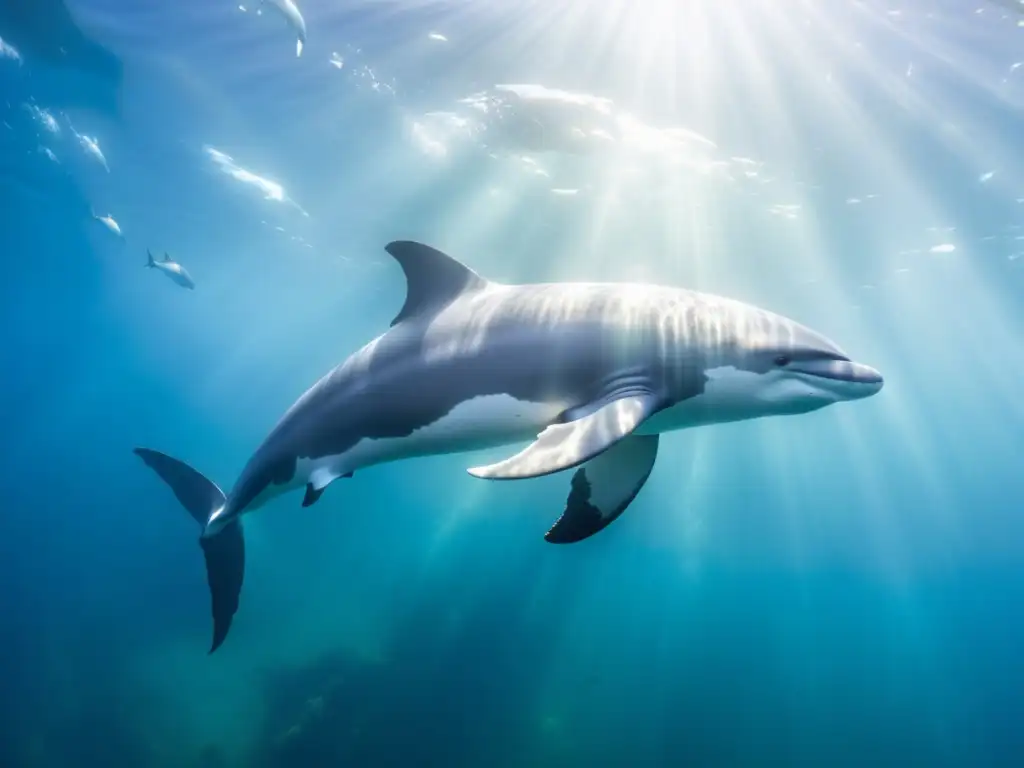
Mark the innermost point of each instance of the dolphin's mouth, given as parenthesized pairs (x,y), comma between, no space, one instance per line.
(840,370)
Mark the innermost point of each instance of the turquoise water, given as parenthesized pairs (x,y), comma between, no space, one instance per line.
(840,588)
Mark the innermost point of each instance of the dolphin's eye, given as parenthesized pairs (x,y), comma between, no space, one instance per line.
(782,361)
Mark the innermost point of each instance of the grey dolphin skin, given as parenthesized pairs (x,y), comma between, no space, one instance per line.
(588,374)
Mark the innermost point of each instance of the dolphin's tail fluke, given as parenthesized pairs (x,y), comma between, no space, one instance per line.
(151,262)
(224,551)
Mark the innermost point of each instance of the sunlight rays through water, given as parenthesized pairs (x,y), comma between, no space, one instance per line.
(732,63)
(851,165)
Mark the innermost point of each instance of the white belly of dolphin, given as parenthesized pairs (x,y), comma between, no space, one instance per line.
(483,422)
(729,395)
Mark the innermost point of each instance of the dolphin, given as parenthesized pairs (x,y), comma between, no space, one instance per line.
(45,32)
(172,269)
(293,16)
(110,223)
(589,375)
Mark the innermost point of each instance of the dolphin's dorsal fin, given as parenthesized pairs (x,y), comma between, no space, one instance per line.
(433,279)
(167,257)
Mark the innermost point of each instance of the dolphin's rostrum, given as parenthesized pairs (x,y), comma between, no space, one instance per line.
(590,373)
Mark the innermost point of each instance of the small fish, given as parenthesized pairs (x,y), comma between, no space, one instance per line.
(291,13)
(91,146)
(109,223)
(172,269)
(8,51)
(45,119)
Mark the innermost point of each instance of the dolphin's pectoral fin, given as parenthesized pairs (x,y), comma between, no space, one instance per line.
(312,495)
(434,279)
(563,446)
(603,488)
(318,482)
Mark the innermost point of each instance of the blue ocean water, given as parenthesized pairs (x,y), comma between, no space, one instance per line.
(839,588)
